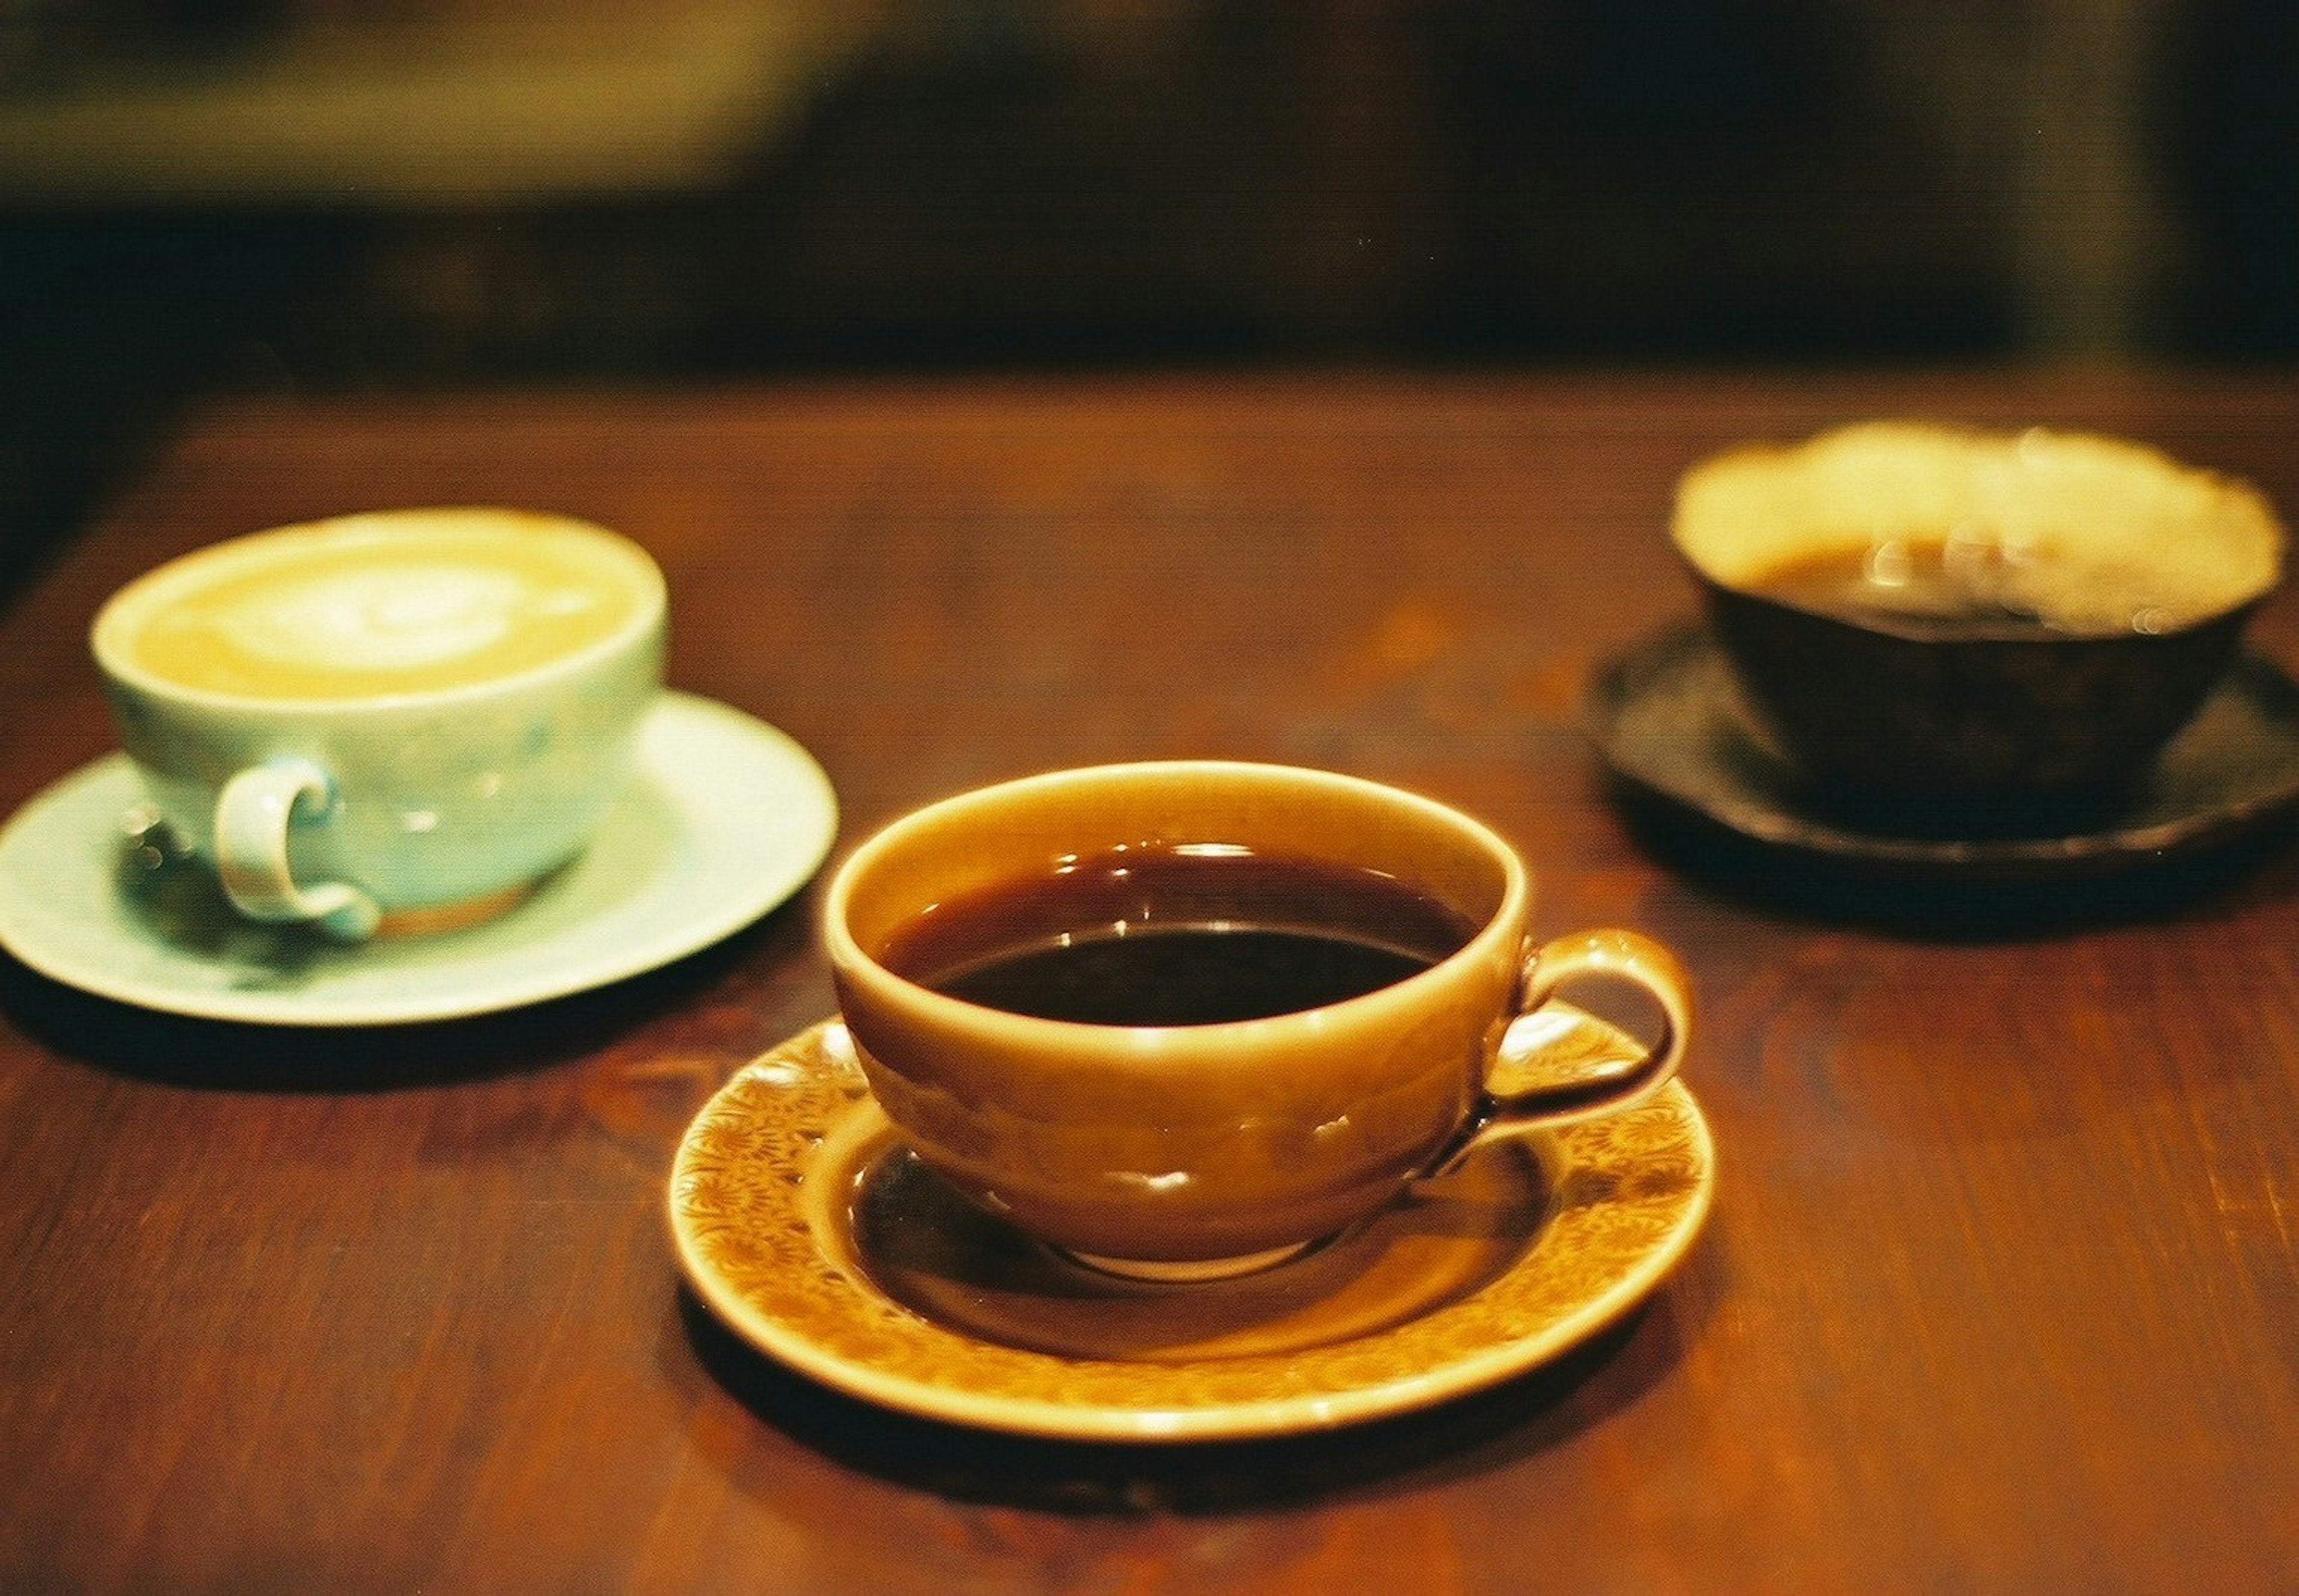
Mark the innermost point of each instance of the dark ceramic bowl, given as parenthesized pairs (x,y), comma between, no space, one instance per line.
(1938,621)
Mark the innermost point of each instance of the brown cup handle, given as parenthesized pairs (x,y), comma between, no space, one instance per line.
(1565,1087)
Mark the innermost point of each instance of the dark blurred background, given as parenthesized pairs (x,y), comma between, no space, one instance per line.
(303,196)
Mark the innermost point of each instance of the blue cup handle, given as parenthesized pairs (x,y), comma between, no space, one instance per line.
(258,808)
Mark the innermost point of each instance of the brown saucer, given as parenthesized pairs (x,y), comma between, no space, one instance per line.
(804,1224)
(1667,721)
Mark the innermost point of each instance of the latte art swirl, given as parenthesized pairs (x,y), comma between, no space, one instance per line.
(392,620)
(438,601)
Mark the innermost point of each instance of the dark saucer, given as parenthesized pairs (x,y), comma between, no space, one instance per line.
(1707,790)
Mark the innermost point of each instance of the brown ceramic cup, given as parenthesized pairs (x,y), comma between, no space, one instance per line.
(1193,1150)
(2024,620)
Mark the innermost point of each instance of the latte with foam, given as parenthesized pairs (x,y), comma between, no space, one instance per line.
(407,602)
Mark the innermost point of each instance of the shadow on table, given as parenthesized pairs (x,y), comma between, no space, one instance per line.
(1529,1414)
(224,1055)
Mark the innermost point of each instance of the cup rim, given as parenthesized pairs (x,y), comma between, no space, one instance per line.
(2010,483)
(852,962)
(111,656)
(2007,636)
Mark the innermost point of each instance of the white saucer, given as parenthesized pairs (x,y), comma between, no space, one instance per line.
(728,816)
(811,1233)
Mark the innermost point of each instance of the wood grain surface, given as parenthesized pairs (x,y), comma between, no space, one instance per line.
(2001,1289)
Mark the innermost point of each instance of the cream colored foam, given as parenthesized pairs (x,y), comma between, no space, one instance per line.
(376,605)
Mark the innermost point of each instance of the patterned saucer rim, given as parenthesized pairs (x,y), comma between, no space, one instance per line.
(1628,1196)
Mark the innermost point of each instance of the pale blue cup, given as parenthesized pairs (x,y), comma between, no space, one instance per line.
(408,780)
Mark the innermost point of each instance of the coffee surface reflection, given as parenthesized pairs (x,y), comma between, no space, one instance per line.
(1178,936)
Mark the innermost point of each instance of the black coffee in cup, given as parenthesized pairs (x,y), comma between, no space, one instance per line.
(1178,936)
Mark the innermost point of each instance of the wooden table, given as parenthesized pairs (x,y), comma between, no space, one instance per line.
(2001,1287)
